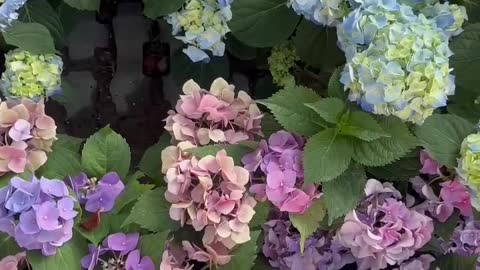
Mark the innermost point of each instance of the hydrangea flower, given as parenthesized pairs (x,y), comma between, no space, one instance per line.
(174,258)
(31,75)
(8,12)
(27,134)
(38,214)
(469,165)
(382,231)
(282,248)
(97,196)
(12,262)
(117,252)
(280,62)
(404,72)
(429,166)
(209,194)
(217,115)
(202,25)
(453,195)
(322,12)
(280,162)
(448,17)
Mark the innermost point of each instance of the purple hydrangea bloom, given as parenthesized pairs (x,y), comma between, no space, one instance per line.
(282,248)
(117,252)
(97,196)
(38,214)
(279,162)
(383,231)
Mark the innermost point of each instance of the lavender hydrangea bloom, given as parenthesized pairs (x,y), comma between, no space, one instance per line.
(382,231)
(282,248)
(117,252)
(97,196)
(8,12)
(38,214)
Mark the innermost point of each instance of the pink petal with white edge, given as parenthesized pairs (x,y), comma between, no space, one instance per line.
(241,237)
(242,175)
(245,213)
(209,163)
(223,230)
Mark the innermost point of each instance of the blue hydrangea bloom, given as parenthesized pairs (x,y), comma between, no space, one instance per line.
(202,25)
(322,12)
(8,12)
(397,61)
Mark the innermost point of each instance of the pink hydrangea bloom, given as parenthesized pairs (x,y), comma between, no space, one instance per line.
(27,132)
(429,166)
(203,116)
(280,162)
(453,194)
(383,231)
(11,262)
(209,194)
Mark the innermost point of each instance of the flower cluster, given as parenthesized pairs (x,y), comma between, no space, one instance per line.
(27,133)
(469,165)
(202,25)
(209,193)
(282,248)
(97,196)
(217,115)
(38,214)
(280,160)
(12,262)
(382,230)
(31,75)
(448,17)
(397,61)
(8,12)
(280,62)
(322,12)
(118,252)
(453,195)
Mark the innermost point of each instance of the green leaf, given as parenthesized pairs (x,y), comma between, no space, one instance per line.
(153,245)
(335,87)
(183,69)
(261,263)
(317,46)
(106,151)
(384,151)
(363,126)
(330,109)
(64,159)
(400,170)
(452,261)
(465,104)
(326,156)
(8,246)
(442,135)
(40,11)
(287,106)
(151,212)
(236,151)
(269,125)
(92,5)
(32,37)
(445,229)
(133,191)
(308,222)
(343,194)
(67,257)
(97,235)
(466,57)
(473,10)
(243,257)
(151,162)
(262,209)
(154,9)
(238,49)
(262,23)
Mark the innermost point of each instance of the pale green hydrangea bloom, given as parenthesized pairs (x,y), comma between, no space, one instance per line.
(280,62)
(469,165)
(404,72)
(31,75)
